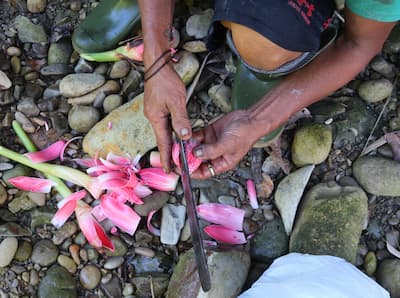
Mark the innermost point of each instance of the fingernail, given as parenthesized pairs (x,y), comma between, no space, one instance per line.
(198,152)
(184,132)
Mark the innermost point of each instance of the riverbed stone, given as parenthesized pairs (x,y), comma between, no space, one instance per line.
(375,90)
(3,195)
(67,262)
(311,144)
(288,194)
(187,66)
(228,272)
(330,221)
(59,52)
(144,285)
(78,84)
(90,277)
(119,69)
(5,82)
(221,97)
(67,230)
(131,132)
(197,25)
(120,248)
(13,229)
(380,65)
(44,253)
(154,201)
(36,6)
(109,87)
(111,102)
(8,248)
(21,202)
(377,175)
(28,31)
(58,282)
(18,170)
(388,276)
(83,118)
(270,242)
(24,251)
(172,222)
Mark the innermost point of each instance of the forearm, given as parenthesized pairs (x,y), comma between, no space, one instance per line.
(156,17)
(336,66)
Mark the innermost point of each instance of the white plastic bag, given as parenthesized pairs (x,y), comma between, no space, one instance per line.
(311,276)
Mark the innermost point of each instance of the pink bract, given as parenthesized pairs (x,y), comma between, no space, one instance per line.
(150,227)
(252,194)
(32,184)
(226,215)
(50,153)
(193,161)
(225,235)
(156,178)
(91,229)
(66,208)
(155,159)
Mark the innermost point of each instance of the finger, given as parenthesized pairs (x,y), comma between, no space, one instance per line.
(164,141)
(180,121)
(211,169)
(210,151)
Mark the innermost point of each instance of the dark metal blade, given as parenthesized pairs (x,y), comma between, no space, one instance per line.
(197,240)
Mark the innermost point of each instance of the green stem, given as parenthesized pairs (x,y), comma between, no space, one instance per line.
(108,56)
(26,141)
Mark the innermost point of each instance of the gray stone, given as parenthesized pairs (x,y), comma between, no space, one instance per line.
(3,195)
(228,272)
(59,53)
(7,216)
(55,70)
(5,82)
(18,170)
(160,263)
(93,96)
(131,132)
(195,46)
(383,67)
(41,216)
(187,66)
(119,69)
(155,201)
(58,282)
(270,167)
(83,118)
(29,32)
(112,288)
(22,202)
(28,107)
(392,44)
(197,25)
(44,253)
(113,262)
(375,90)
(388,276)
(36,6)
(330,221)
(131,82)
(8,248)
(38,198)
(59,122)
(26,124)
(144,285)
(66,231)
(288,194)
(270,242)
(120,248)
(78,84)
(111,102)
(15,64)
(221,97)
(13,229)
(67,262)
(311,144)
(172,222)
(24,251)
(83,66)
(377,175)
(90,277)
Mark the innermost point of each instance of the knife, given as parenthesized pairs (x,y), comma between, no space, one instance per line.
(197,240)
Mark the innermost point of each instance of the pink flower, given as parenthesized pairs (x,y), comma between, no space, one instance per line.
(66,208)
(226,215)
(193,161)
(252,194)
(224,234)
(150,227)
(91,229)
(32,184)
(50,153)
(156,178)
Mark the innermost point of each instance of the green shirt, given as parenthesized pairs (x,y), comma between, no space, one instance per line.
(378,10)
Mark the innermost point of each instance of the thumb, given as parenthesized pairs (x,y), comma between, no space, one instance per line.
(180,122)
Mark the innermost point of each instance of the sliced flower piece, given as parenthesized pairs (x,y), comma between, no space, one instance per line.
(126,194)
(117,159)
(230,217)
(131,51)
(91,229)
(120,214)
(66,145)
(156,178)
(85,162)
(50,153)
(66,208)
(142,191)
(155,159)
(252,194)
(32,184)
(98,213)
(225,235)
(193,161)
(150,227)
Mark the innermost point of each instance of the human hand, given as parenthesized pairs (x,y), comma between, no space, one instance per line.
(224,143)
(165,100)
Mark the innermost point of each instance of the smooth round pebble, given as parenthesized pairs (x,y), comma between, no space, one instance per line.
(111,102)
(8,248)
(90,277)
(113,262)
(67,263)
(44,253)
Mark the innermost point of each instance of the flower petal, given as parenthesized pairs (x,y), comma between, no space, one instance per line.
(120,214)
(252,194)
(155,159)
(63,214)
(66,145)
(117,159)
(226,215)
(142,191)
(193,161)
(150,227)
(98,213)
(32,184)
(156,178)
(224,234)
(50,153)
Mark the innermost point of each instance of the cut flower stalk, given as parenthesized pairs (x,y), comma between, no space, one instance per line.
(131,51)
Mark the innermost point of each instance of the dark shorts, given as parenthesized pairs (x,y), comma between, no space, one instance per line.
(295,25)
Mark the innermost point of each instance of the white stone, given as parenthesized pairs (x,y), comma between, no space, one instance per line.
(172,222)
(8,248)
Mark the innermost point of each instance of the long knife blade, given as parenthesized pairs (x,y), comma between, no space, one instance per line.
(197,240)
